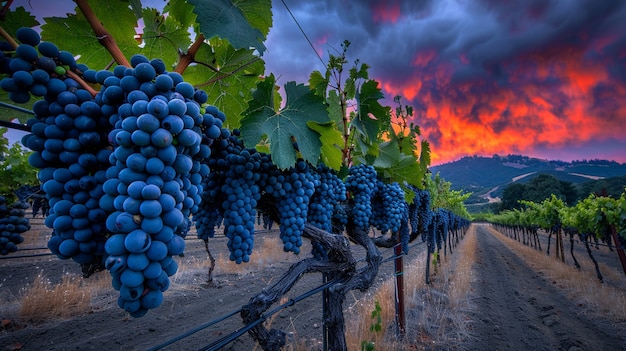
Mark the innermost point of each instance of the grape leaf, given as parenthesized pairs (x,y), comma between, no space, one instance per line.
(15,169)
(135,5)
(425,156)
(9,114)
(334,110)
(388,156)
(262,119)
(164,37)
(398,166)
(257,12)
(318,82)
(181,11)
(226,19)
(77,37)
(227,75)
(367,101)
(18,18)
(331,140)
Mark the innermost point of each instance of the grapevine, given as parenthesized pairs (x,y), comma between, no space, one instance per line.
(12,224)
(127,155)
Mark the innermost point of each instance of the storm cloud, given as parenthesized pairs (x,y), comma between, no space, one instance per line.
(485,76)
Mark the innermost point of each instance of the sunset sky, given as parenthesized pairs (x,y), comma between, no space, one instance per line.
(542,78)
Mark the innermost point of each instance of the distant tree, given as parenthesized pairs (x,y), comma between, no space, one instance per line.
(613,187)
(569,192)
(511,196)
(538,189)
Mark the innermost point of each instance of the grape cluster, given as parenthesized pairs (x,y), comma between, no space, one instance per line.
(209,215)
(414,209)
(441,231)
(340,218)
(68,137)
(387,207)
(328,194)
(404,231)
(154,181)
(291,190)
(361,183)
(231,194)
(241,172)
(431,231)
(12,224)
(424,214)
(34,74)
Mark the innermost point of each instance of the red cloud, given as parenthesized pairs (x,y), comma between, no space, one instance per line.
(551,99)
(385,11)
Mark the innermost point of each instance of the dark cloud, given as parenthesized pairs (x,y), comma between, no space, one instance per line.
(521,72)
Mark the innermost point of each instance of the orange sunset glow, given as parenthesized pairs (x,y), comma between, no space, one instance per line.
(551,99)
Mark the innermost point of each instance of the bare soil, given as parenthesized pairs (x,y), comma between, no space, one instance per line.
(511,307)
(517,308)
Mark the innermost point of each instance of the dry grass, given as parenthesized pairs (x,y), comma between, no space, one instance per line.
(72,296)
(581,286)
(268,251)
(432,318)
(463,277)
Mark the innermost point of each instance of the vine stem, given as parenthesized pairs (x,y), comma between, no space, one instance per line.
(8,38)
(226,75)
(104,37)
(190,56)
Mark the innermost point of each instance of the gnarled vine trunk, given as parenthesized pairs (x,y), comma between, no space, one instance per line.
(341,267)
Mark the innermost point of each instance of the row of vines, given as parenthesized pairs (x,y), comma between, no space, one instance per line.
(133,147)
(594,220)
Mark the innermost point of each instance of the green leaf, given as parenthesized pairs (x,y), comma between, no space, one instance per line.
(318,82)
(331,140)
(181,11)
(360,73)
(15,170)
(164,37)
(389,155)
(74,34)
(367,103)
(424,157)
(262,119)
(227,75)
(230,20)
(18,18)
(8,114)
(258,13)
(334,109)
(135,5)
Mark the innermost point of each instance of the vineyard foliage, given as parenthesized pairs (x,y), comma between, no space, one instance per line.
(590,217)
(14,168)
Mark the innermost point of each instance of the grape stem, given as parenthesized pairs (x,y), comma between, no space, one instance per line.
(104,37)
(190,56)
(82,83)
(226,75)
(8,38)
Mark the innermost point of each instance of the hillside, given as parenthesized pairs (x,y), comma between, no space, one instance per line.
(482,175)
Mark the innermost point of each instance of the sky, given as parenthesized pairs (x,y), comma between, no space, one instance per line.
(541,78)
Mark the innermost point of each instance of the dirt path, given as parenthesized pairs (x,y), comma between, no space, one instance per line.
(517,309)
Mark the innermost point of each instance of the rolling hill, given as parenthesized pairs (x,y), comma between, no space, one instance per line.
(488,176)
